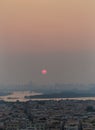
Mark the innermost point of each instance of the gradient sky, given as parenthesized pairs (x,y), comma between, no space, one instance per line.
(58,35)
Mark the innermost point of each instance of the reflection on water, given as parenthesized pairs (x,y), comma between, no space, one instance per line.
(19,95)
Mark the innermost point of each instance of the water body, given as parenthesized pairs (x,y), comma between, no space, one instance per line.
(19,95)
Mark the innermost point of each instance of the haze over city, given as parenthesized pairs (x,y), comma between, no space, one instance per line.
(56,35)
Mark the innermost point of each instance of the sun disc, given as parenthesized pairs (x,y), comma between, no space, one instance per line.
(44,71)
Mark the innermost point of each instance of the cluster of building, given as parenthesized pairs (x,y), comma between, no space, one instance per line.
(48,115)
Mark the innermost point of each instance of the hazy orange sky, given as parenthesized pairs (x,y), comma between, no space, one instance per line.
(58,35)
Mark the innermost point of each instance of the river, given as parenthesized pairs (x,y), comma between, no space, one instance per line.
(20,95)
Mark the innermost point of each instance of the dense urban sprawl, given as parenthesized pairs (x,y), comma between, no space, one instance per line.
(48,115)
